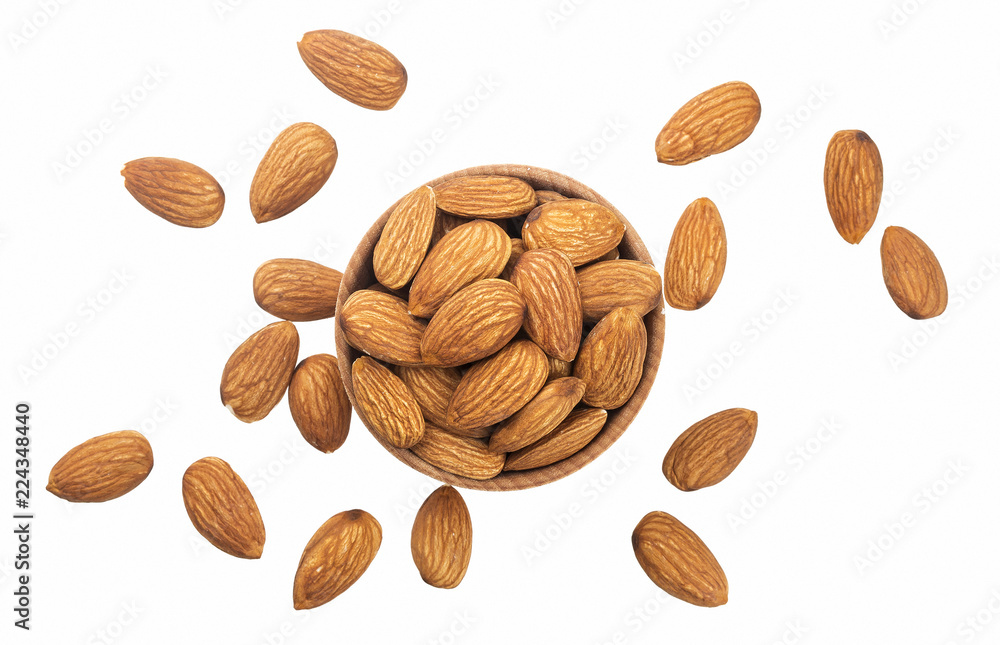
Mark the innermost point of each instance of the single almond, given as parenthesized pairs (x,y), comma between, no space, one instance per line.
(696,257)
(678,562)
(404,241)
(385,404)
(433,388)
(380,325)
(222,509)
(569,437)
(463,456)
(618,283)
(354,68)
(297,164)
(441,539)
(611,359)
(913,274)
(708,451)
(554,318)
(102,468)
(297,290)
(712,122)
(476,322)
(539,417)
(319,403)
(853,181)
(178,191)
(258,372)
(582,230)
(335,558)
(485,196)
(546,196)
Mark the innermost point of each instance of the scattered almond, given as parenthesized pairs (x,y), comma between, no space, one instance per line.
(707,452)
(298,163)
(912,274)
(102,468)
(258,372)
(319,403)
(441,540)
(853,181)
(297,290)
(354,68)
(178,191)
(335,557)
(222,509)
(696,257)
(712,122)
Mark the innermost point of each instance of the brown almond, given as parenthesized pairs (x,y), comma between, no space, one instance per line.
(380,325)
(258,372)
(582,230)
(913,274)
(712,122)
(853,181)
(546,196)
(222,509)
(297,164)
(102,468)
(485,196)
(335,558)
(708,451)
(319,403)
(618,283)
(611,359)
(559,368)
(178,191)
(516,251)
(441,540)
(405,239)
(539,417)
(433,388)
(297,290)
(462,456)
(569,437)
(445,223)
(678,562)
(385,403)
(696,257)
(354,68)
(554,318)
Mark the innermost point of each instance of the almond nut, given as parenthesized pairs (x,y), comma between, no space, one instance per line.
(178,191)
(102,468)
(441,540)
(712,122)
(708,451)
(222,509)
(258,372)
(335,557)
(298,163)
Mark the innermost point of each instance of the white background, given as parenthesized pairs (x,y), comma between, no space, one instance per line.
(822,557)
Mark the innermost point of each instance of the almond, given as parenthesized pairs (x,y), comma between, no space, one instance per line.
(433,388)
(441,540)
(678,562)
(335,557)
(516,251)
(178,191)
(853,181)
(462,456)
(222,509)
(539,417)
(618,283)
(582,230)
(712,122)
(380,325)
(298,163)
(912,274)
(485,196)
(559,368)
(468,253)
(102,468)
(497,387)
(404,240)
(445,223)
(611,359)
(354,68)
(258,372)
(385,404)
(476,322)
(696,257)
(707,452)
(554,318)
(319,403)
(569,437)
(546,196)
(297,290)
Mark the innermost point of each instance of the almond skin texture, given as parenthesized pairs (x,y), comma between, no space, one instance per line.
(319,403)
(554,318)
(222,509)
(386,403)
(678,562)
(712,122)
(445,223)
(539,417)
(618,283)
(485,196)
(380,325)
(582,230)
(696,257)
(178,191)
(433,388)
(353,68)
(476,322)
(497,387)
(335,557)
(611,358)
(300,160)
(569,437)
(469,253)
(516,251)
(853,181)
(462,456)
(441,540)
(297,290)
(546,196)
(102,468)
(258,372)
(405,239)
(559,368)
(912,274)
(707,452)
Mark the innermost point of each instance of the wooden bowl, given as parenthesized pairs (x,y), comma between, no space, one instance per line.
(359,274)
